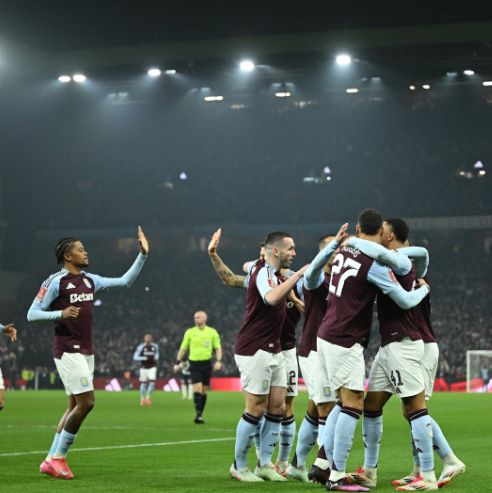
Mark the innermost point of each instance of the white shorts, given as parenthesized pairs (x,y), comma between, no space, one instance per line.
(397,369)
(291,371)
(148,374)
(345,366)
(76,371)
(2,386)
(430,363)
(316,378)
(261,371)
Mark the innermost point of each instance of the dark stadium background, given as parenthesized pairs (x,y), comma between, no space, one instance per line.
(98,158)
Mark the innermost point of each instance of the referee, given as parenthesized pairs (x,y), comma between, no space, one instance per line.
(201,340)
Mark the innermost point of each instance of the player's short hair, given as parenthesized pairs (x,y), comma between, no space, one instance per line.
(400,228)
(370,222)
(62,247)
(322,241)
(262,244)
(275,237)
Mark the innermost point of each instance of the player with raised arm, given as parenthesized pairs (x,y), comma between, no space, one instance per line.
(148,354)
(345,332)
(294,309)
(66,298)
(397,364)
(9,331)
(315,289)
(258,356)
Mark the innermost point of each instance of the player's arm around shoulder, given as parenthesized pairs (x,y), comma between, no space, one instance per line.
(383,277)
(273,292)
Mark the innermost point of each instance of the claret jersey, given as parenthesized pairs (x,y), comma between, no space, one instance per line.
(147,354)
(355,280)
(262,323)
(64,289)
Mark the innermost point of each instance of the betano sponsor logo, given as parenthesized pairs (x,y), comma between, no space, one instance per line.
(81,297)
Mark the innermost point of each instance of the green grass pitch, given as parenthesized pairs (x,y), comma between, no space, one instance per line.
(27,426)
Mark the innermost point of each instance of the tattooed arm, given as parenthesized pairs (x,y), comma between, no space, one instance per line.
(227,276)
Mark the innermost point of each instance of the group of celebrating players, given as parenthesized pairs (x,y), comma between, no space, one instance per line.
(336,294)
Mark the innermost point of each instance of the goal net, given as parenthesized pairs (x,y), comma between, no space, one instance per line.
(479,371)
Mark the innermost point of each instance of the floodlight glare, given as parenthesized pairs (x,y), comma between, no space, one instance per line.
(154,72)
(412,88)
(487,83)
(468,72)
(282,94)
(481,172)
(79,78)
(247,66)
(170,71)
(64,78)
(451,74)
(426,86)
(214,98)
(352,90)
(343,59)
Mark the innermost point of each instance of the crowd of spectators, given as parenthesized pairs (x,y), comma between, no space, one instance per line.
(174,285)
(403,150)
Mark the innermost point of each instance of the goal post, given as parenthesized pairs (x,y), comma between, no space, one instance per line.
(479,367)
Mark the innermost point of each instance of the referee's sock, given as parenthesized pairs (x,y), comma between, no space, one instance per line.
(197,398)
(204,401)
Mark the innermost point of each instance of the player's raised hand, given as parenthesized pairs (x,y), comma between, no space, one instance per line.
(10,331)
(420,283)
(144,244)
(71,312)
(214,242)
(342,233)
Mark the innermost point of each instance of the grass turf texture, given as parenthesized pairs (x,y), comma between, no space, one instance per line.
(27,424)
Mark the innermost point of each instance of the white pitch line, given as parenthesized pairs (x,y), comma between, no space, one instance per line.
(124,446)
(119,428)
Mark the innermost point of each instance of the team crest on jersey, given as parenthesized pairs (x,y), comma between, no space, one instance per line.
(84,381)
(207,343)
(327,391)
(87,283)
(265,384)
(271,283)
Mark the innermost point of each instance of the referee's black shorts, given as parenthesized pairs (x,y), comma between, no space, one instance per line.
(201,371)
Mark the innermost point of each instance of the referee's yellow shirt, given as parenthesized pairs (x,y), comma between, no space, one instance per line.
(201,343)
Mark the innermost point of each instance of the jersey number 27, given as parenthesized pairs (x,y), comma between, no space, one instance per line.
(352,269)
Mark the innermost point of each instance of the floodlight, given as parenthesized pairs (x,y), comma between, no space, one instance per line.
(487,83)
(353,90)
(426,86)
(451,73)
(154,72)
(468,72)
(343,59)
(170,71)
(481,172)
(478,164)
(412,88)
(214,98)
(183,176)
(327,170)
(64,78)
(247,65)
(79,78)
(282,94)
